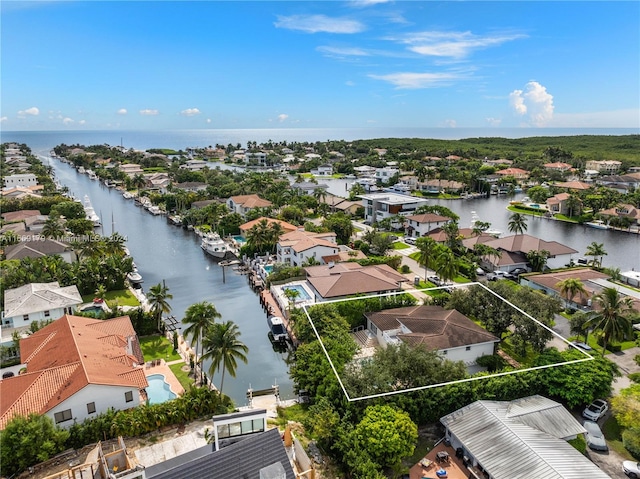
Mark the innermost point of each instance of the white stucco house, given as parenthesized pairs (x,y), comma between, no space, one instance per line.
(255,158)
(378,206)
(297,247)
(194,165)
(77,368)
(38,302)
(447,331)
(420,225)
(322,170)
(386,173)
(242,204)
(22,180)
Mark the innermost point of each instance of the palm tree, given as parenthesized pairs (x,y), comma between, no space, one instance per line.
(570,287)
(224,349)
(426,247)
(292,295)
(517,223)
(139,182)
(597,251)
(53,227)
(537,259)
(483,250)
(611,316)
(446,264)
(158,296)
(200,317)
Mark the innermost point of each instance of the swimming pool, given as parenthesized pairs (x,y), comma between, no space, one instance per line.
(302,292)
(159,390)
(268,268)
(239,239)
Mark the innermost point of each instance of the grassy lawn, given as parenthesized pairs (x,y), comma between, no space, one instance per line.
(121,297)
(526,360)
(526,211)
(182,376)
(593,342)
(158,347)
(400,245)
(613,433)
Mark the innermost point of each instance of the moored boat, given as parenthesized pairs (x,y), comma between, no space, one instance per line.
(214,245)
(135,277)
(277,329)
(598,224)
(90,212)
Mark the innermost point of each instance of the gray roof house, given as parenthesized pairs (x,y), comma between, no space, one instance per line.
(256,456)
(521,439)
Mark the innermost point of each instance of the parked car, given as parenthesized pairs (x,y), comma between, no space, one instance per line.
(435,280)
(519,271)
(595,410)
(583,346)
(595,438)
(410,240)
(631,469)
(496,275)
(480,272)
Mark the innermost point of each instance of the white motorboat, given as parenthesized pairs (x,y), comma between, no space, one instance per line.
(90,212)
(155,210)
(135,277)
(400,187)
(277,329)
(598,224)
(92,175)
(214,245)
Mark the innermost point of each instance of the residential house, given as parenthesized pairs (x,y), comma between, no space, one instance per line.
(621,183)
(338,281)
(628,212)
(286,227)
(385,174)
(557,166)
(257,456)
(548,283)
(22,180)
(420,225)
(437,186)
(40,248)
(194,165)
(514,248)
(193,186)
(447,331)
(573,185)
(131,169)
(497,163)
(322,170)
(518,173)
(255,158)
(337,203)
(378,206)
(603,166)
(308,188)
(20,192)
(158,181)
(365,171)
(297,247)
(345,254)
(77,368)
(559,204)
(244,203)
(520,439)
(15,216)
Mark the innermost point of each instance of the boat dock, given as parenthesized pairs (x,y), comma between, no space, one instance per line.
(271,307)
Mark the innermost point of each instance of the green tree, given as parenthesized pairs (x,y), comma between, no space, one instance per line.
(386,434)
(597,251)
(200,318)
(158,298)
(569,287)
(576,323)
(53,227)
(427,247)
(537,259)
(445,264)
(224,349)
(611,317)
(517,223)
(341,225)
(26,441)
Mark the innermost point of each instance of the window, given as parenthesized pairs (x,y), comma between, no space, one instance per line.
(91,408)
(25,317)
(468,348)
(62,416)
(47,314)
(128,396)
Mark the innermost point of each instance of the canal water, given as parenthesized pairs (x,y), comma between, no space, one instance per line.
(167,253)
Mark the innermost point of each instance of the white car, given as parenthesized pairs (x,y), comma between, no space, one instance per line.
(594,437)
(410,240)
(631,469)
(595,410)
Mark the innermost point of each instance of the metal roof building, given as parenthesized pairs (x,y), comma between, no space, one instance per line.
(520,439)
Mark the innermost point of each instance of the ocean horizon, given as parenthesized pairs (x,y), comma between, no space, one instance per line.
(40,141)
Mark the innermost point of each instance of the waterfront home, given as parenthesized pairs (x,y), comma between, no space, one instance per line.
(341,280)
(193,186)
(438,186)
(40,248)
(364,171)
(158,181)
(626,212)
(20,192)
(557,166)
(76,368)
(23,180)
(194,165)
(322,170)
(385,174)
(558,204)
(242,204)
(548,283)
(621,183)
(21,215)
(603,166)
(513,251)
(378,206)
(131,169)
(439,235)
(38,302)
(420,225)
(258,158)
(518,439)
(573,185)
(338,203)
(286,227)
(298,247)
(447,331)
(517,173)
(308,188)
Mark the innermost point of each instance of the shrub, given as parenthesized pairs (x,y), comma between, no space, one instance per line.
(405,269)
(492,362)
(631,441)
(579,443)
(635,377)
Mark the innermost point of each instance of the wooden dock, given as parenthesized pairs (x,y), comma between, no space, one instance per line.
(271,307)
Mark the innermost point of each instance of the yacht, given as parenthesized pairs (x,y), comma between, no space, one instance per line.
(135,277)
(90,212)
(598,224)
(215,246)
(400,187)
(277,329)
(92,175)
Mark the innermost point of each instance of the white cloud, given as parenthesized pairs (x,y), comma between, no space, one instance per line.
(33,111)
(82,122)
(190,112)
(494,121)
(149,112)
(208,120)
(3,119)
(452,44)
(534,102)
(122,111)
(408,80)
(343,52)
(450,123)
(319,23)
(282,117)
(67,121)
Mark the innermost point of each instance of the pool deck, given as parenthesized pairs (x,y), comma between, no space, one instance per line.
(161,367)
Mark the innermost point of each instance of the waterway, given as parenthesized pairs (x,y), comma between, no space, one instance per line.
(167,253)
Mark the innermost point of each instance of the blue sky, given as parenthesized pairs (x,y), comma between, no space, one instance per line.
(155,65)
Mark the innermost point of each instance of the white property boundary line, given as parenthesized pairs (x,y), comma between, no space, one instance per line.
(419,388)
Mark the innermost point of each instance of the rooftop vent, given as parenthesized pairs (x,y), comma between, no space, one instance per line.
(274,471)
